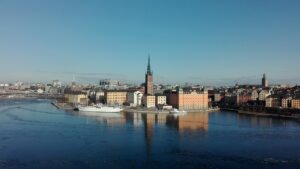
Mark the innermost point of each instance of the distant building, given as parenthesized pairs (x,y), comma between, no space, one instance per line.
(134,98)
(264,81)
(187,99)
(76,97)
(254,95)
(230,99)
(263,95)
(97,95)
(118,97)
(149,101)
(149,80)
(217,97)
(243,98)
(295,103)
(286,102)
(273,101)
(40,91)
(160,100)
(56,83)
(108,84)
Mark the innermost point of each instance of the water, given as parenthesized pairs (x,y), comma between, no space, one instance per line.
(34,134)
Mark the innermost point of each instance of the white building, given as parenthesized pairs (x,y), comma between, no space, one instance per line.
(263,95)
(254,95)
(134,98)
(108,84)
(40,91)
(56,83)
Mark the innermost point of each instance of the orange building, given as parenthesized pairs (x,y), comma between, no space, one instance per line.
(296,103)
(187,99)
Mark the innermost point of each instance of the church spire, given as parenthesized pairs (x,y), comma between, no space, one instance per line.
(149,67)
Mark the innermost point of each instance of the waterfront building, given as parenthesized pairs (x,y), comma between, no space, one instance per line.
(263,94)
(134,98)
(76,97)
(115,97)
(97,95)
(149,80)
(295,103)
(254,95)
(264,81)
(160,100)
(273,101)
(188,99)
(286,102)
(149,101)
(243,98)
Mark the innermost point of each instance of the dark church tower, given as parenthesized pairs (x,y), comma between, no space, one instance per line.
(264,81)
(149,80)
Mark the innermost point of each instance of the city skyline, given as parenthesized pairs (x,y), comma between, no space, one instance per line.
(212,43)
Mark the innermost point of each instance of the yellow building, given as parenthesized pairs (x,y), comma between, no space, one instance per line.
(149,101)
(76,97)
(161,100)
(115,97)
(296,103)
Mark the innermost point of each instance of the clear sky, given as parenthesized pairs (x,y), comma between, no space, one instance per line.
(210,42)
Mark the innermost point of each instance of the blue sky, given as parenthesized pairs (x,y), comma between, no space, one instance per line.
(209,42)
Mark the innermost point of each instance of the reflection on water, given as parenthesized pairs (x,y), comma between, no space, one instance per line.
(34,134)
(191,122)
(258,121)
(110,119)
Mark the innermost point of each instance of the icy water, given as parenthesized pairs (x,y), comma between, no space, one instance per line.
(34,134)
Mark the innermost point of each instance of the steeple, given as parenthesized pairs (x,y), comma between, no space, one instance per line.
(149,67)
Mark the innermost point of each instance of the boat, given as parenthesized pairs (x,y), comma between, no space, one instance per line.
(97,108)
(178,112)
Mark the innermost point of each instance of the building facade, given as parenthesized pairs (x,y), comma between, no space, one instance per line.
(286,102)
(295,103)
(243,98)
(160,100)
(76,97)
(273,102)
(254,95)
(115,97)
(149,101)
(187,99)
(263,95)
(134,98)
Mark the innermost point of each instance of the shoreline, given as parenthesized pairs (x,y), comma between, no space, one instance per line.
(66,106)
(263,114)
